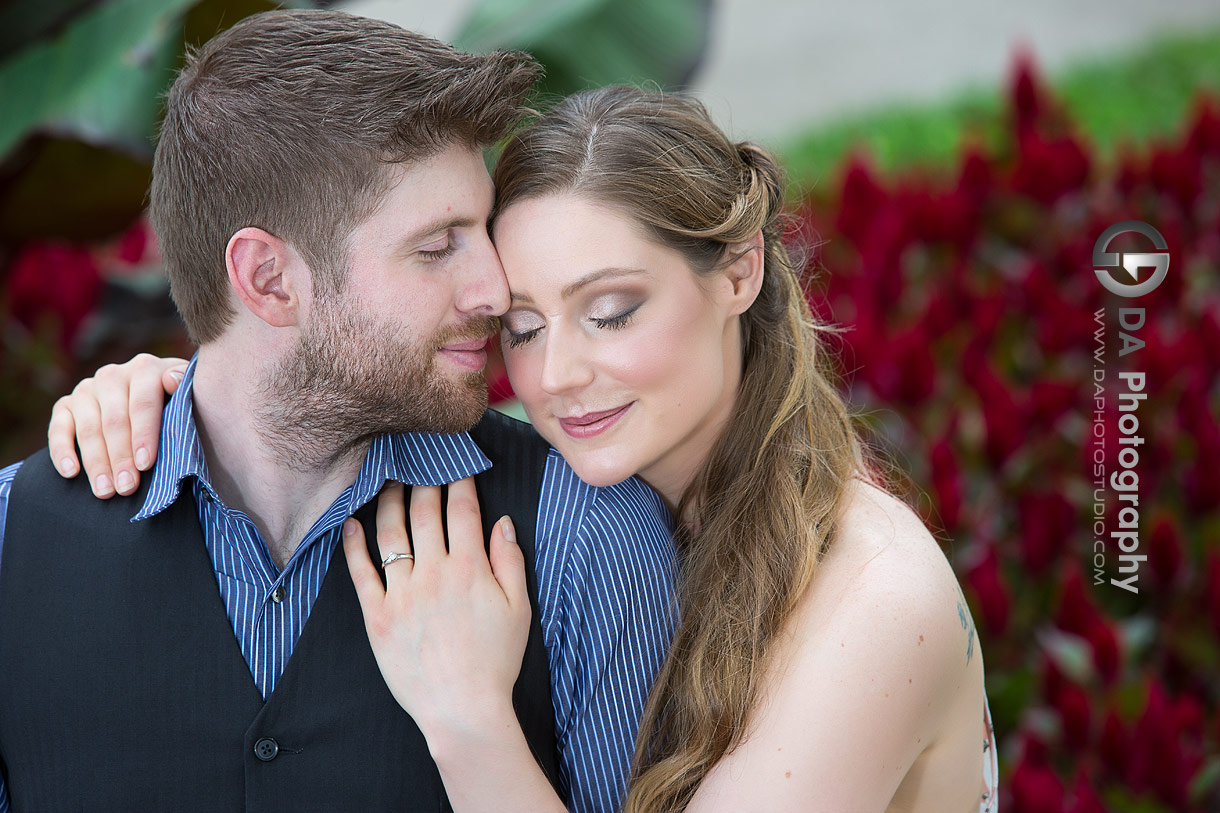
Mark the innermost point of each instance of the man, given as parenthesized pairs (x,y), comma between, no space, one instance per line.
(321,203)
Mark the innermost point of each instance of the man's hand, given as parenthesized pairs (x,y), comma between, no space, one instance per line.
(115,417)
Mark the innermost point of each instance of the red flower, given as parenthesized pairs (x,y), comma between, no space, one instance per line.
(1072,704)
(1204,137)
(499,389)
(904,370)
(988,584)
(859,201)
(136,242)
(946,479)
(1048,168)
(1115,745)
(1156,740)
(1211,590)
(1025,94)
(1164,552)
(1049,399)
(1086,799)
(1176,171)
(1003,418)
(1035,786)
(56,282)
(1046,523)
(1203,478)
(1107,655)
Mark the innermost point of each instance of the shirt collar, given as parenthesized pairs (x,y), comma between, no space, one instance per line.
(414,458)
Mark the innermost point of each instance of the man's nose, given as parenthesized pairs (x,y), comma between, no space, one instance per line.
(485,292)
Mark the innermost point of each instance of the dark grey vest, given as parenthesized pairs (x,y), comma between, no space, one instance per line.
(122,686)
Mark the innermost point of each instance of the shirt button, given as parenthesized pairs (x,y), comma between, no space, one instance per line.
(278,594)
(266,749)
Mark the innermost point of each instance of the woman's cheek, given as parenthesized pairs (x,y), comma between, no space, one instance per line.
(525,376)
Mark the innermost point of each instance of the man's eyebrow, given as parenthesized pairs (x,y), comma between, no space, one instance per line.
(587,279)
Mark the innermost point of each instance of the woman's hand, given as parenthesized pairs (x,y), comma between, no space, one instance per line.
(116,418)
(449,628)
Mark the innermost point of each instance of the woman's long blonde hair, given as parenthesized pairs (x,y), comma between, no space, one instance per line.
(760,513)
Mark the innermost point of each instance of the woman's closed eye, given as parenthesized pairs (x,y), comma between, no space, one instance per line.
(524,337)
(617,321)
(520,327)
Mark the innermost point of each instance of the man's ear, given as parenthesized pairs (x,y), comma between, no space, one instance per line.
(267,275)
(745,273)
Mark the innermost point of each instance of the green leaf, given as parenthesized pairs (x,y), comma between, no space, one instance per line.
(99,79)
(591,43)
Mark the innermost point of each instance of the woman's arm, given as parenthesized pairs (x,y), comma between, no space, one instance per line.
(116,418)
(448,630)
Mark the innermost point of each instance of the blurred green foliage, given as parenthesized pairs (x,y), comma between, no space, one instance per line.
(592,43)
(1113,102)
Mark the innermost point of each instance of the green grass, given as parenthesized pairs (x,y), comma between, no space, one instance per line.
(1127,99)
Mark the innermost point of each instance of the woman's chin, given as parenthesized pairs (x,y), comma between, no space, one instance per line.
(599,473)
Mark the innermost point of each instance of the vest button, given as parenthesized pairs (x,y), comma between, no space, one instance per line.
(278,594)
(266,749)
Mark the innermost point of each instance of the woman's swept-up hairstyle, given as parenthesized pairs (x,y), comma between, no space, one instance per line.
(287,121)
(761,511)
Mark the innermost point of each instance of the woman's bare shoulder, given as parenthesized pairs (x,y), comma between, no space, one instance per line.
(866,675)
(886,592)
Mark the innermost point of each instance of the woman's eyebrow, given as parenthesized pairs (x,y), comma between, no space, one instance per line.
(587,279)
(594,276)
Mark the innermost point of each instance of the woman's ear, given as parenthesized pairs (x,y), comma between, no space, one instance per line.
(266,274)
(745,273)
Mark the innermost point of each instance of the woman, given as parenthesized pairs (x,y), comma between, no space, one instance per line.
(824,657)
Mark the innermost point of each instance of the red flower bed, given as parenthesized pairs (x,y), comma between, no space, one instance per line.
(971,305)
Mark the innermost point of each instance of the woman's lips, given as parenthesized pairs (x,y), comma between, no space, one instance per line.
(470,354)
(591,424)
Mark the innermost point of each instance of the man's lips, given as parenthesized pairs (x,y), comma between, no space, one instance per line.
(589,424)
(471,346)
(471,354)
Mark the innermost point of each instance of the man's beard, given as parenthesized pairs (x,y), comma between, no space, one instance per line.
(351,378)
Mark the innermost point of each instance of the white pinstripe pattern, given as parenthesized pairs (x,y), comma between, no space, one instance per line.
(605,568)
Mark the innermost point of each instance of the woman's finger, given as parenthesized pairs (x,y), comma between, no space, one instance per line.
(93,455)
(114,400)
(392,532)
(427,531)
(464,523)
(364,575)
(147,403)
(61,438)
(508,564)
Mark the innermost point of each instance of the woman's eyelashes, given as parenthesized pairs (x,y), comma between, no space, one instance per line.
(519,339)
(617,321)
(523,335)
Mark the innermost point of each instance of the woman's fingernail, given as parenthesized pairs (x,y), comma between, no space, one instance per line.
(102,486)
(125,481)
(141,458)
(176,374)
(67,468)
(349,527)
(506,526)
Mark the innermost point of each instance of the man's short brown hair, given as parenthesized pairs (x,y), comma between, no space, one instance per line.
(286,121)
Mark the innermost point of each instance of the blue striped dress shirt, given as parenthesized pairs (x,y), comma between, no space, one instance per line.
(605,570)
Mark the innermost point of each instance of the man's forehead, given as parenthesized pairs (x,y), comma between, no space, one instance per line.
(452,185)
